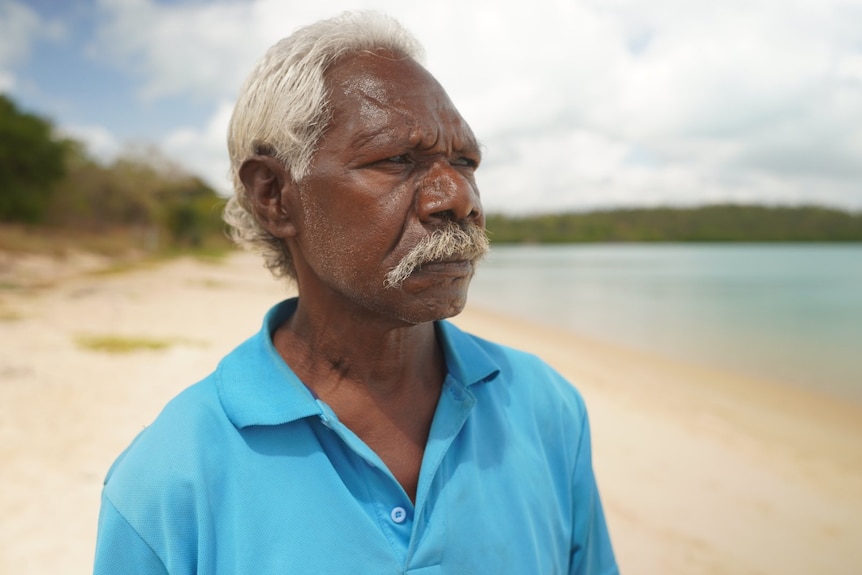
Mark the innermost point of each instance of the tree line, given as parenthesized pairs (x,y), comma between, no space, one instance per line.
(714,223)
(49,180)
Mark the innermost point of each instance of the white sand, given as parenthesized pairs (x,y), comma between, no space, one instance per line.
(701,472)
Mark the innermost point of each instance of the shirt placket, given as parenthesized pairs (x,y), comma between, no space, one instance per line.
(453,408)
(389,502)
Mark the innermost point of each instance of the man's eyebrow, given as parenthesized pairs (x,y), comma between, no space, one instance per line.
(364,138)
(410,139)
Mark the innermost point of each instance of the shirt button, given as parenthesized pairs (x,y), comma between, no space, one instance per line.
(398,514)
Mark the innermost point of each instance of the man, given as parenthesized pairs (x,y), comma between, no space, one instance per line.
(358,432)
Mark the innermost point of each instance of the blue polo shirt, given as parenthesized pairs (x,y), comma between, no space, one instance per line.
(247,472)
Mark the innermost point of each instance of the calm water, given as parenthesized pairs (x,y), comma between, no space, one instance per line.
(791,313)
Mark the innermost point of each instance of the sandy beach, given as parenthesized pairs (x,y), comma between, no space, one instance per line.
(701,472)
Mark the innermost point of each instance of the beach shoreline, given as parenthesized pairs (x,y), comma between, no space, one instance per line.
(700,471)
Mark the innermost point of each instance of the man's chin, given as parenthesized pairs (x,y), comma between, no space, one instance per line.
(432,311)
(423,301)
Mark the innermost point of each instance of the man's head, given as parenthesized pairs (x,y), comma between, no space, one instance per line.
(352,169)
(283,110)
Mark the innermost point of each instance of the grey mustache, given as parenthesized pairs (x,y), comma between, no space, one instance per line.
(450,242)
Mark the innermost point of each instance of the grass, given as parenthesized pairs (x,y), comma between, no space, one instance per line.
(122,344)
(212,252)
(112,343)
(120,267)
(10,315)
(208,283)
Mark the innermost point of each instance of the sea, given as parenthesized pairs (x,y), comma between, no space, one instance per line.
(789,313)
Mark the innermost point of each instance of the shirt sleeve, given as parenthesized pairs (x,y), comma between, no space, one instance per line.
(120,549)
(592,553)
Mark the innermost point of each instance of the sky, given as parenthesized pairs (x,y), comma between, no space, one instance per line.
(579,104)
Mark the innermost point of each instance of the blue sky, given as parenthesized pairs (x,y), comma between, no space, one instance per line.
(72,78)
(580,103)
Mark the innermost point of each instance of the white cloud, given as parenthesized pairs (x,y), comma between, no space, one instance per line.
(98,140)
(579,103)
(19,28)
(7,81)
(849,67)
(201,50)
(729,102)
(203,151)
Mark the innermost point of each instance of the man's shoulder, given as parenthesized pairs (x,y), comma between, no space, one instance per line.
(247,384)
(196,412)
(526,403)
(189,419)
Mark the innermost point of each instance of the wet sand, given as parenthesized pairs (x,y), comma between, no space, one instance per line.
(701,472)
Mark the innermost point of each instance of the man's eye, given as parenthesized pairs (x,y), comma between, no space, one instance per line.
(466,162)
(402,159)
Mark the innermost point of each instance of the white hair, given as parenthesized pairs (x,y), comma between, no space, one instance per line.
(283,110)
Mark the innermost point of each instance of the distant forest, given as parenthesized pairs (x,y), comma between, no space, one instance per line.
(717,223)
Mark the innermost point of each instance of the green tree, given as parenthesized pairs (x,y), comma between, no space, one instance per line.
(31,163)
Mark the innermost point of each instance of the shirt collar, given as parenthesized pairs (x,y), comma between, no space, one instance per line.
(256,386)
(466,360)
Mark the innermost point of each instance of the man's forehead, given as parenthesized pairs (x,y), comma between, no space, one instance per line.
(363,85)
(372,96)
(370,92)
(379,79)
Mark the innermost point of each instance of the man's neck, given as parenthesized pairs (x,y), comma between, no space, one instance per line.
(386,357)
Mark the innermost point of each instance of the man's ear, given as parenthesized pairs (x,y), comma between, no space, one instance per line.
(269,187)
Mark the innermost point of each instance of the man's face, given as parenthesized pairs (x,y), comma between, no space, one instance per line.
(396,163)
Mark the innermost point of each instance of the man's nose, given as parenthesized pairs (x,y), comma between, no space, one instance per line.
(445,193)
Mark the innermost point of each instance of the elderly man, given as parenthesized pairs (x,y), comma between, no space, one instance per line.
(358,432)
